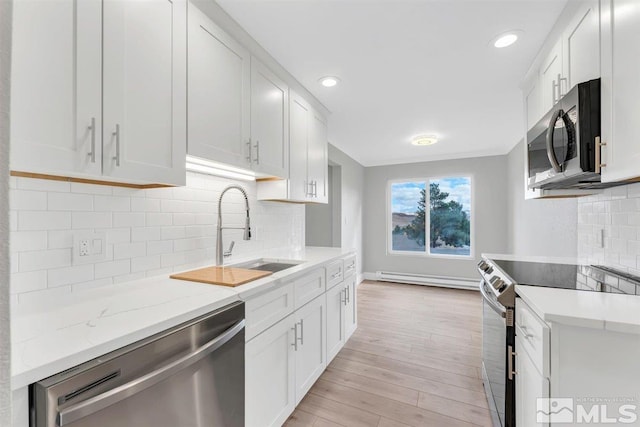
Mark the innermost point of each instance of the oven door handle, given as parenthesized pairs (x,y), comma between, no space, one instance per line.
(495,306)
(90,406)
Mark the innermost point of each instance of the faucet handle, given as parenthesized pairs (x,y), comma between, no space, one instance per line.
(227,253)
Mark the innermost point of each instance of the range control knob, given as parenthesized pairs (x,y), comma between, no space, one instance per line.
(498,284)
(489,269)
(483,265)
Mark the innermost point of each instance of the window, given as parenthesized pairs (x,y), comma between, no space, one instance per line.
(434,222)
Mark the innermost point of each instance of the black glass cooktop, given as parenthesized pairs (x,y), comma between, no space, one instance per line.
(581,277)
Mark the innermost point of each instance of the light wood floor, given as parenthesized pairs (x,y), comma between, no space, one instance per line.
(414,361)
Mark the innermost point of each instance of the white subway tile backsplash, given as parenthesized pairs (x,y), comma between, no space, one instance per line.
(112,203)
(83,220)
(37,220)
(69,202)
(28,200)
(21,241)
(70,275)
(44,260)
(28,281)
(112,268)
(149,232)
(128,219)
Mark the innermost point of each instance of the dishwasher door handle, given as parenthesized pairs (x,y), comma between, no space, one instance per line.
(82,409)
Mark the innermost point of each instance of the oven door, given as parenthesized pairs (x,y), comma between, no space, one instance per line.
(494,358)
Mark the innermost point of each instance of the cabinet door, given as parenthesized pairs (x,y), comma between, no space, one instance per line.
(270,375)
(550,72)
(582,45)
(144,94)
(311,350)
(351,308)
(299,113)
(530,385)
(317,161)
(336,298)
(532,102)
(56,87)
(269,122)
(620,89)
(219,91)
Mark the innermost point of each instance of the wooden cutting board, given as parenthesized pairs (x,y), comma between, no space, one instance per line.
(225,276)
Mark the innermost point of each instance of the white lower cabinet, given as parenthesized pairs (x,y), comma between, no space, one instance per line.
(310,346)
(285,357)
(270,375)
(530,385)
(335,320)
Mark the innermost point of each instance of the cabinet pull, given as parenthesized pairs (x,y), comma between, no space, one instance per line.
(343,301)
(599,164)
(314,188)
(301,331)
(348,293)
(248,157)
(257,159)
(295,336)
(555,85)
(116,134)
(566,86)
(511,354)
(92,128)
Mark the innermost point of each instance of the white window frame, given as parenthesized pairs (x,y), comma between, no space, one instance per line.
(427,252)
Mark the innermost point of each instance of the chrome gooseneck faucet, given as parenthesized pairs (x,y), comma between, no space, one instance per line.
(220,254)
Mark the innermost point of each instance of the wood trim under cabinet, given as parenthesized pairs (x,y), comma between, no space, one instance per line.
(86,181)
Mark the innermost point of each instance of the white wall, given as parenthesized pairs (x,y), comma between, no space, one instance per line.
(489,175)
(616,212)
(5,329)
(149,232)
(352,195)
(544,227)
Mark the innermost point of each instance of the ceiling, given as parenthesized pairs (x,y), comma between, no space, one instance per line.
(407,67)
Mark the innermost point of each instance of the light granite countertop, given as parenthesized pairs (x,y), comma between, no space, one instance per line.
(87,324)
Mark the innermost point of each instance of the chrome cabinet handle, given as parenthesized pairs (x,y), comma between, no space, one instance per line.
(566,84)
(301,331)
(599,164)
(348,294)
(257,159)
(346,300)
(248,156)
(555,85)
(90,406)
(511,354)
(92,128)
(295,336)
(116,134)
(343,292)
(314,188)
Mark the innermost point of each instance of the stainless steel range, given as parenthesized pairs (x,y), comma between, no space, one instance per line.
(499,278)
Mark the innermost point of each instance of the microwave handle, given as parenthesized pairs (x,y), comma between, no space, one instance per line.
(550,132)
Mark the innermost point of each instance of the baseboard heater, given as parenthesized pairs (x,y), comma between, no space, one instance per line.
(423,279)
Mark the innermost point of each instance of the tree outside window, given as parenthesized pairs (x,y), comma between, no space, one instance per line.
(446,226)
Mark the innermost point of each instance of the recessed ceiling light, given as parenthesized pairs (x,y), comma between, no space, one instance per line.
(423,140)
(506,39)
(329,81)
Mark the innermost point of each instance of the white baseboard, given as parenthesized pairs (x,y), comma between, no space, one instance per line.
(423,280)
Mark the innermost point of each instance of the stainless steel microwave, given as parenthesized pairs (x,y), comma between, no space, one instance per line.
(562,145)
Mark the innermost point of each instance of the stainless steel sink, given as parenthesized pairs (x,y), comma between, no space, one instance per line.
(267,265)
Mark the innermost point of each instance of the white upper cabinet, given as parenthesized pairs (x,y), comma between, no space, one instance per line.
(269,122)
(56,87)
(99,90)
(219,93)
(300,118)
(317,157)
(582,45)
(620,89)
(551,80)
(144,129)
(308,160)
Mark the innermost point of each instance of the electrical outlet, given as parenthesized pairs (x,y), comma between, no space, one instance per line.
(84,247)
(89,247)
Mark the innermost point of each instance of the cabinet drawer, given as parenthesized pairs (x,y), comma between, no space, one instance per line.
(534,336)
(349,266)
(309,287)
(335,273)
(267,309)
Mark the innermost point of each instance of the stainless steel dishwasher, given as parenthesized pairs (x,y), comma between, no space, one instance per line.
(190,375)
